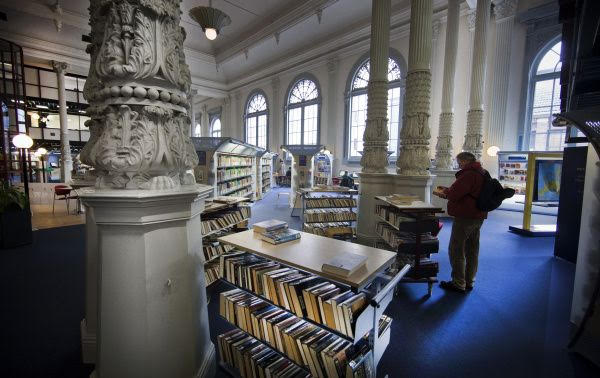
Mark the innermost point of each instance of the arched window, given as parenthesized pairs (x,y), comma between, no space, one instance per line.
(303,107)
(544,87)
(215,127)
(255,119)
(357,106)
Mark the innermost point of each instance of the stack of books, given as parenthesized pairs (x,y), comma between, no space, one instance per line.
(253,359)
(306,295)
(329,215)
(275,231)
(225,219)
(325,202)
(308,345)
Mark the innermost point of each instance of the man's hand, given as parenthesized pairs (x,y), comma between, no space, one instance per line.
(439,191)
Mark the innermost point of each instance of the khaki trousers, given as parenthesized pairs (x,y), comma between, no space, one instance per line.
(464,250)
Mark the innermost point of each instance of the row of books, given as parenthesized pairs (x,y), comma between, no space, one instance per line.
(211,273)
(230,186)
(306,295)
(392,216)
(327,202)
(329,215)
(228,174)
(225,219)
(327,230)
(213,249)
(320,180)
(303,342)
(396,238)
(253,359)
(233,161)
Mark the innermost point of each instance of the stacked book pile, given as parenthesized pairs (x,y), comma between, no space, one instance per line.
(233,161)
(234,185)
(213,249)
(305,295)
(275,231)
(329,215)
(405,240)
(326,202)
(322,352)
(225,219)
(254,359)
(232,173)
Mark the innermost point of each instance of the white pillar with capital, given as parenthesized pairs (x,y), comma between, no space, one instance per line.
(192,111)
(332,96)
(505,18)
(374,179)
(443,149)
(146,306)
(474,132)
(66,165)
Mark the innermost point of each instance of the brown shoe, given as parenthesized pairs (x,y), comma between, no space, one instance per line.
(450,286)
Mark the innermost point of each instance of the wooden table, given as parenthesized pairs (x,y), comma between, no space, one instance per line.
(311,251)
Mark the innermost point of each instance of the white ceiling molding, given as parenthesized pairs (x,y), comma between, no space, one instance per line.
(347,43)
(43,10)
(303,11)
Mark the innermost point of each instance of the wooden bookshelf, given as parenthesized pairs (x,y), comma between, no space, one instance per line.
(310,252)
(306,257)
(322,216)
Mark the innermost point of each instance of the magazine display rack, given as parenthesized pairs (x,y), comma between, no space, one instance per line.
(411,230)
(329,211)
(369,330)
(226,164)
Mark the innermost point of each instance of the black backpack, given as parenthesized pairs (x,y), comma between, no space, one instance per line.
(492,193)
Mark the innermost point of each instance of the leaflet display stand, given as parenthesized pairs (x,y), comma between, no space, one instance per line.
(531,182)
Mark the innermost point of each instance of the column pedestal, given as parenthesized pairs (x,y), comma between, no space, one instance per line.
(151,293)
(382,184)
(443,177)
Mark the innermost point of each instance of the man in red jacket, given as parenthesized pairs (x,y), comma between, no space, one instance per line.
(464,240)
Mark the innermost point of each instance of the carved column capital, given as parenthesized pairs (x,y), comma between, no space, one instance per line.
(471,15)
(505,9)
(60,67)
(137,87)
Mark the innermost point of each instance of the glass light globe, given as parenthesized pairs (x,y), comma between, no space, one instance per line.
(493,151)
(211,33)
(22,141)
(41,151)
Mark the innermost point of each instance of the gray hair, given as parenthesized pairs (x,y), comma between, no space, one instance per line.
(466,156)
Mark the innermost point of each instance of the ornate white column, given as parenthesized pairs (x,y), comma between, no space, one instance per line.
(205,122)
(275,129)
(443,150)
(227,119)
(413,153)
(333,127)
(375,147)
(143,243)
(505,18)
(474,133)
(192,111)
(66,164)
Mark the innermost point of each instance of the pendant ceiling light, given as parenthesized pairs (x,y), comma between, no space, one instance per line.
(211,20)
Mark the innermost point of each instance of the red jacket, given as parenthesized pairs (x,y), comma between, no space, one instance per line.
(462,194)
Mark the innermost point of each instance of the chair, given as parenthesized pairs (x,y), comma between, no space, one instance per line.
(62,193)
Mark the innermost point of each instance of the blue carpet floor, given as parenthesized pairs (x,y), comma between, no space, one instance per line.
(514,324)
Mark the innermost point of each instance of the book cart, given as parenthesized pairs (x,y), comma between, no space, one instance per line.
(411,231)
(368,332)
(264,172)
(221,216)
(329,211)
(226,164)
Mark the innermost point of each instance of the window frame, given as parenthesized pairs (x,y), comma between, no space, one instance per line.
(349,93)
(302,105)
(532,79)
(247,116)
(213,119)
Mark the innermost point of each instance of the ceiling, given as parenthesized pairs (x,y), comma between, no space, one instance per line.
(261,32)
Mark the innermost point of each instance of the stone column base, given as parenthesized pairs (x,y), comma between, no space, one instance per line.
(443,177)
(152,314)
